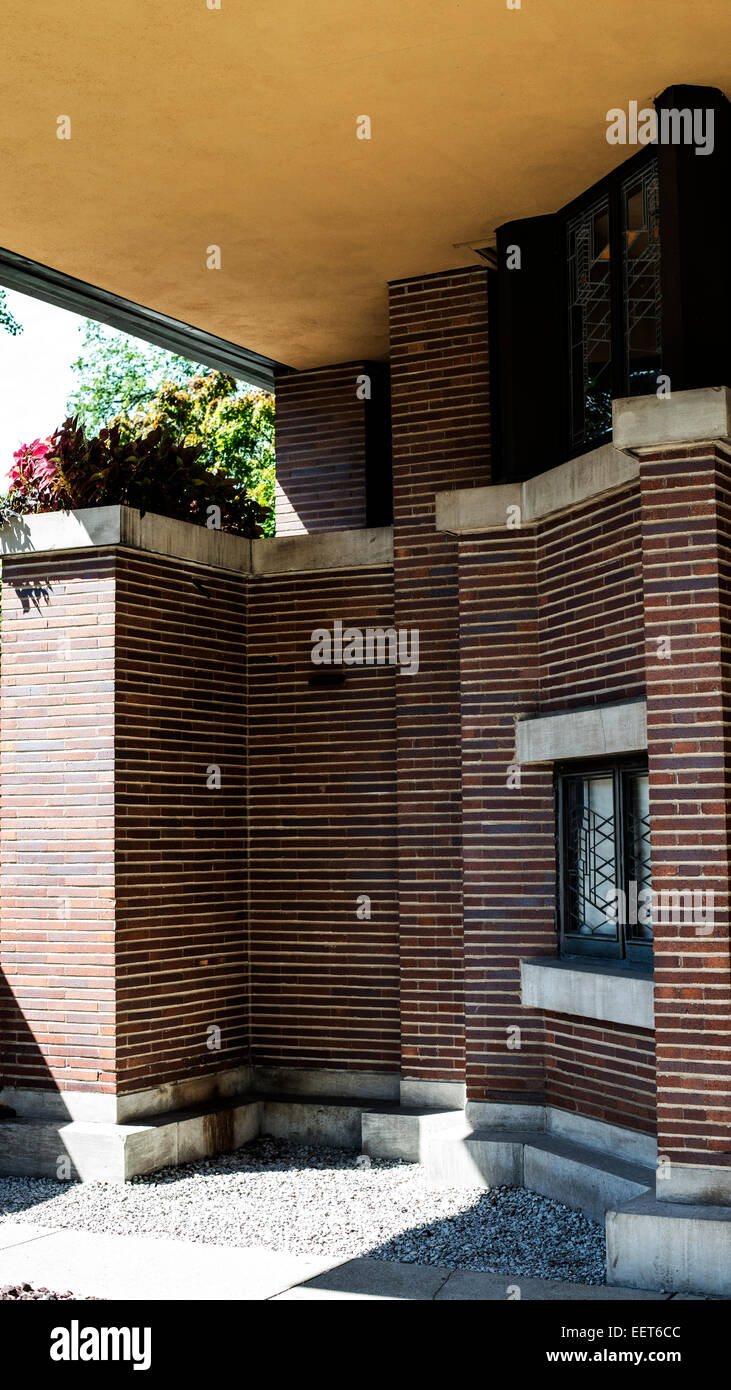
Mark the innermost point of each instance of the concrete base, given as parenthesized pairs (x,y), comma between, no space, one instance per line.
(665,1245)
(38,1104)
(695,1184)
(572,1173)
(102,1151)
(437,1095)
(408,1134)
(650,1244)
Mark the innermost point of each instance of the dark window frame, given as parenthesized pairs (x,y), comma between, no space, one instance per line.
(624,951)
(610,187)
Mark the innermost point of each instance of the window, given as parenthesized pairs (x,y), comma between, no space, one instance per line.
(604,898)
(629,281)
(614,303)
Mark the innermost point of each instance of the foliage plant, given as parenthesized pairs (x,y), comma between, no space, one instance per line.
(122,381)
(154,472)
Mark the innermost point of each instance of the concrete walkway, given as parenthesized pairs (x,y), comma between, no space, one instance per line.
(140,1267)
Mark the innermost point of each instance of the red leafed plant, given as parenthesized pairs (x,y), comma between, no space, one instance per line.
(155,473)
(34,470)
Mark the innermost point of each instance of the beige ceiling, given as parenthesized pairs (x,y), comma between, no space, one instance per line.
(192,126)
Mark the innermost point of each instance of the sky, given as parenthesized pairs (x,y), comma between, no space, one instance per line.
(35,373)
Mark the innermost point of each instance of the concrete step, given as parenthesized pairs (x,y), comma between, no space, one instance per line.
(582,1177)
(396,1131)
(668,1245)
(312,1119)
(109,1152)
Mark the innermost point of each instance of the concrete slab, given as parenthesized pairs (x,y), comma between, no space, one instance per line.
(134,1267)
(582,733)
(127,1267)
(369,1278)
(581,1177)
(407,1134)
(474,1286)
(304,1294)
(18,1232)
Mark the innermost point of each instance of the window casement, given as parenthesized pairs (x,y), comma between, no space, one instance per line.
(628,282)
(613,298)
(603,836)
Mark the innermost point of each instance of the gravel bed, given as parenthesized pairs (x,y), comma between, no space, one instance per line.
(326,1201)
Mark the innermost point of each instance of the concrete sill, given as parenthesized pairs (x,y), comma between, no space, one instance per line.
(603,992)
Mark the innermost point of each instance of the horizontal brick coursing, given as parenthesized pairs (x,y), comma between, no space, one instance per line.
(440,423)
(322,793)
(589,569)
(602,1070)
(57,823)
(181,946)
(687,586)
(550,617)
(321,450)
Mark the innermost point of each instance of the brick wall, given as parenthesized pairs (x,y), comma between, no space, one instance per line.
(590,604)
(509,849)
(321,450)
(687,577)
(57,822)
(182,964)
(322,792)
(123,932)
(550,617)
(604,1070)
(440,422)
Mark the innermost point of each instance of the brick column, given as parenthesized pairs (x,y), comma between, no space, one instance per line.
(509,833)
(321,422)
(686,509)
(123,868)
(57,825)
(440,416)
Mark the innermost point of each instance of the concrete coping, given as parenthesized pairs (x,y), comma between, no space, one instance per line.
(96,528)
(640,425)
(582,733)
(367,547)
(602,991)
(513,505)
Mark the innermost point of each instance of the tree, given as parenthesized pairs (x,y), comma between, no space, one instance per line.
(8,320)
(233,426)
(139,388)
(117,375)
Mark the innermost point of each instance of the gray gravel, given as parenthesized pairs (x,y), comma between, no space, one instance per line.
(326,1201)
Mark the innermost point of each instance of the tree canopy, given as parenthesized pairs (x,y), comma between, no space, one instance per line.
(138,387)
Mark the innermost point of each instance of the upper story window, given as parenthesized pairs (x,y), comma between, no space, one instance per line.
(605,899)
(629,282)
(613,293)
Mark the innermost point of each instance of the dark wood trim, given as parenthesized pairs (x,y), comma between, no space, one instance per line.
(694,237)
(53,286)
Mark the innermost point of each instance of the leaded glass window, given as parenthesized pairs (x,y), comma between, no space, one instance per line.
(605,902)
(642,300)
(614,298)
(590,323)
